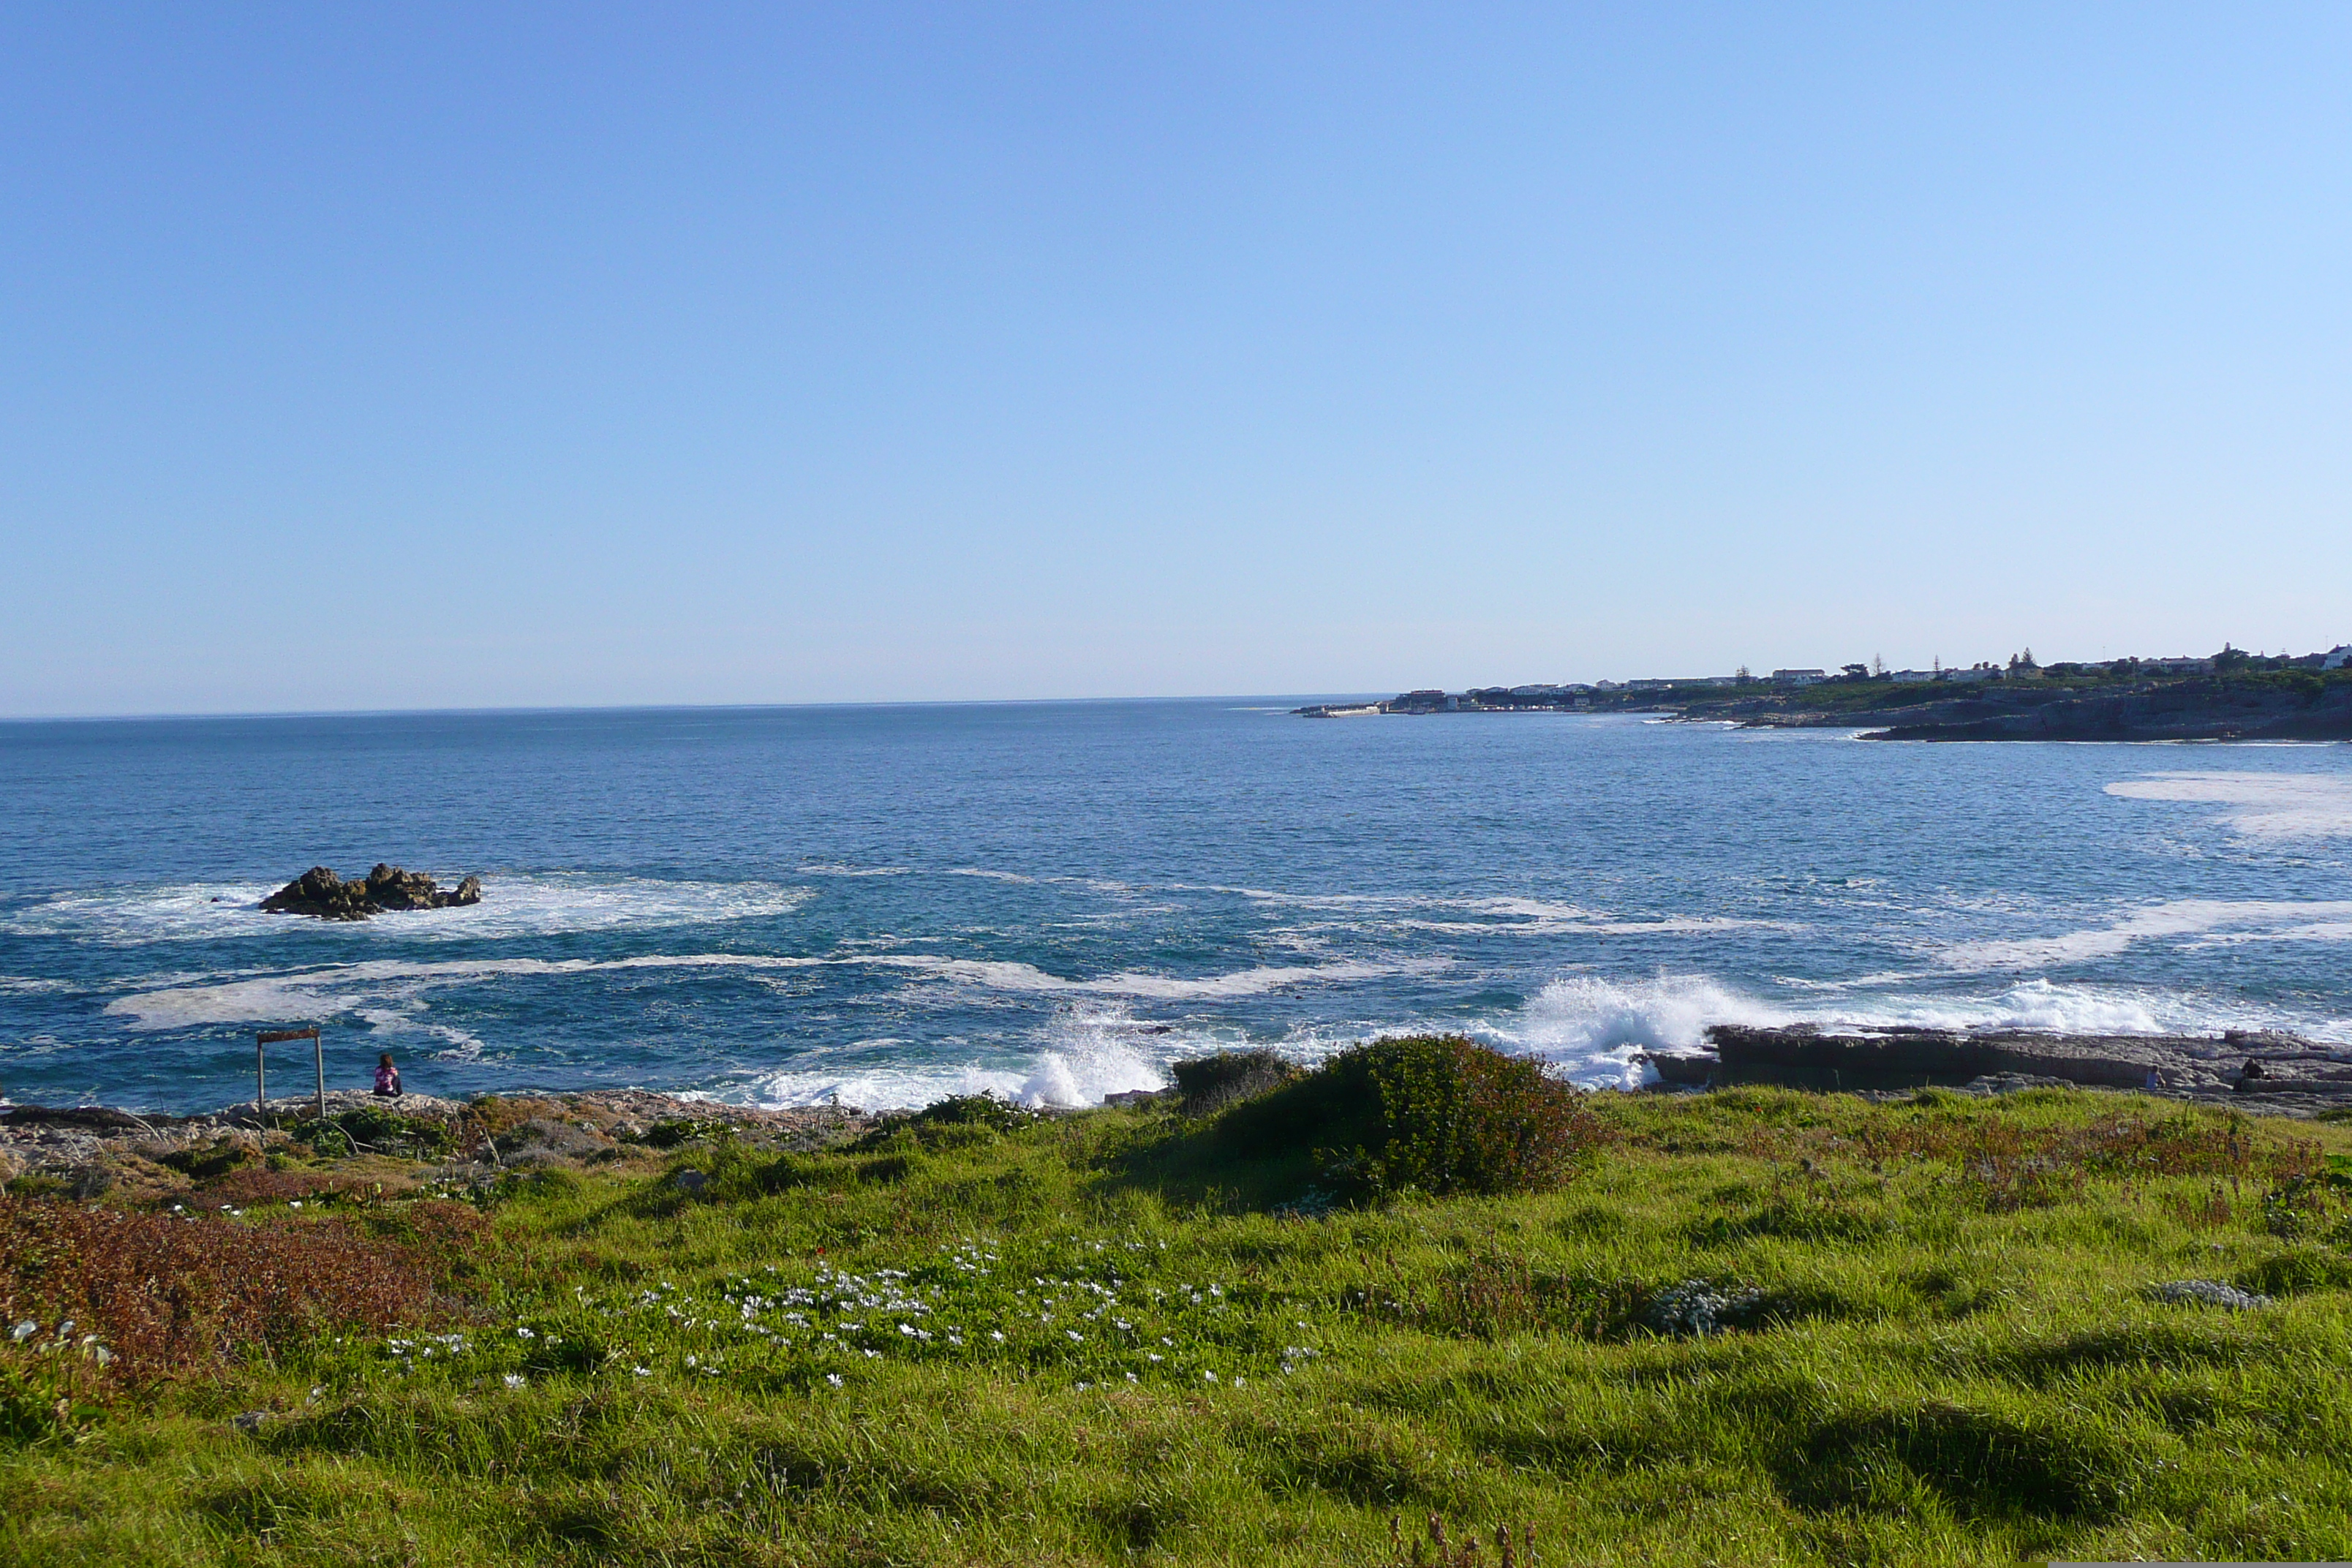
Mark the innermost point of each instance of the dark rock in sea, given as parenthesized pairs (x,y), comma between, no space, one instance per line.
(319,891)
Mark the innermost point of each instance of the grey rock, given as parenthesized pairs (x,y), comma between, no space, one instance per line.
(249,1421)
(2207,1293)
(1697,1307)
(690,1181)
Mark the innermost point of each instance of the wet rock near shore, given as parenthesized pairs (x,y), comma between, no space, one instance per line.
(320,892)
(2279,1074)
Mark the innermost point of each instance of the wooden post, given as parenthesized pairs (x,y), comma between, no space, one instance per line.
(260,1065)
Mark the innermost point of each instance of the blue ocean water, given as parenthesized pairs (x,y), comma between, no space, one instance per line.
(1054,900)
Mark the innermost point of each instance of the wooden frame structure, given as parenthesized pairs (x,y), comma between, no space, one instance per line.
(266,1038)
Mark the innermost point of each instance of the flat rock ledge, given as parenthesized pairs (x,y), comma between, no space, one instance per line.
(320,893)
(2279,1075)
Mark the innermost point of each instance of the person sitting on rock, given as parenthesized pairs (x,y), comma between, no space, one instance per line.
(387,1077)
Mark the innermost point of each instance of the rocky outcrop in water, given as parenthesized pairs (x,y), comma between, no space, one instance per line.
(320,892)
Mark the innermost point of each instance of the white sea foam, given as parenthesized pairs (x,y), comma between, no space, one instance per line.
(343,988)
(881,1088)
(514,904)
(2066,1008)
(1092,1052)
(1589,1030)
(1084,1052)
(1505,915)
(2212,920)
(2261,806)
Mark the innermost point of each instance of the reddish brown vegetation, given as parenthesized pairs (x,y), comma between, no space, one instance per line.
(166,1293)
(242,1189)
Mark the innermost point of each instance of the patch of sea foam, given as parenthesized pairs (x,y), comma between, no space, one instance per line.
(2260,804)
(340,988)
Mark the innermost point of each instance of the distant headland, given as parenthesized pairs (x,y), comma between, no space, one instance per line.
(2228,696)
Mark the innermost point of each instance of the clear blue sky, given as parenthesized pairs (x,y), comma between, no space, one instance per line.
(433,355)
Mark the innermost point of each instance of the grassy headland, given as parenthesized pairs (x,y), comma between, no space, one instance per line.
(1136,1335)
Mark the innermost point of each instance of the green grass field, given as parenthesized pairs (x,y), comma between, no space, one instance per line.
(1105,1339)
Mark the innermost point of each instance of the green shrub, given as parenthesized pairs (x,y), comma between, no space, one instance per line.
(975,1110)
(956,1121)
(1211,1083)
(36,1184)
(219,1158)
(370,1127)
(1433,1114)
(671,1134)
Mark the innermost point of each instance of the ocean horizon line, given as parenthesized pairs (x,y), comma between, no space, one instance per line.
(526,710)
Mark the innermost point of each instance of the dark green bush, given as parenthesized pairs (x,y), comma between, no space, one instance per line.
(219,1158)
(1211,1083)
(957,1122)
(975,1110)
(372,1128)
(1434,1114)
(671,1134)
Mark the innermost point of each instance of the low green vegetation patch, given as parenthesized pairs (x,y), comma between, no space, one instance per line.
(1413,1294)
(1208,1084)
(1436,1115)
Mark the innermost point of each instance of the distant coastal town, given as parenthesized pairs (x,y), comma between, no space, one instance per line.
(2233,694)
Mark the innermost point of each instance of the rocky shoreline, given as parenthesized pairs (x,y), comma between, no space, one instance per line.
(89,1150)
(2278,1075)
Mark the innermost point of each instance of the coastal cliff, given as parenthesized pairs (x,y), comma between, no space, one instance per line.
(2182,711)
(2282,700)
